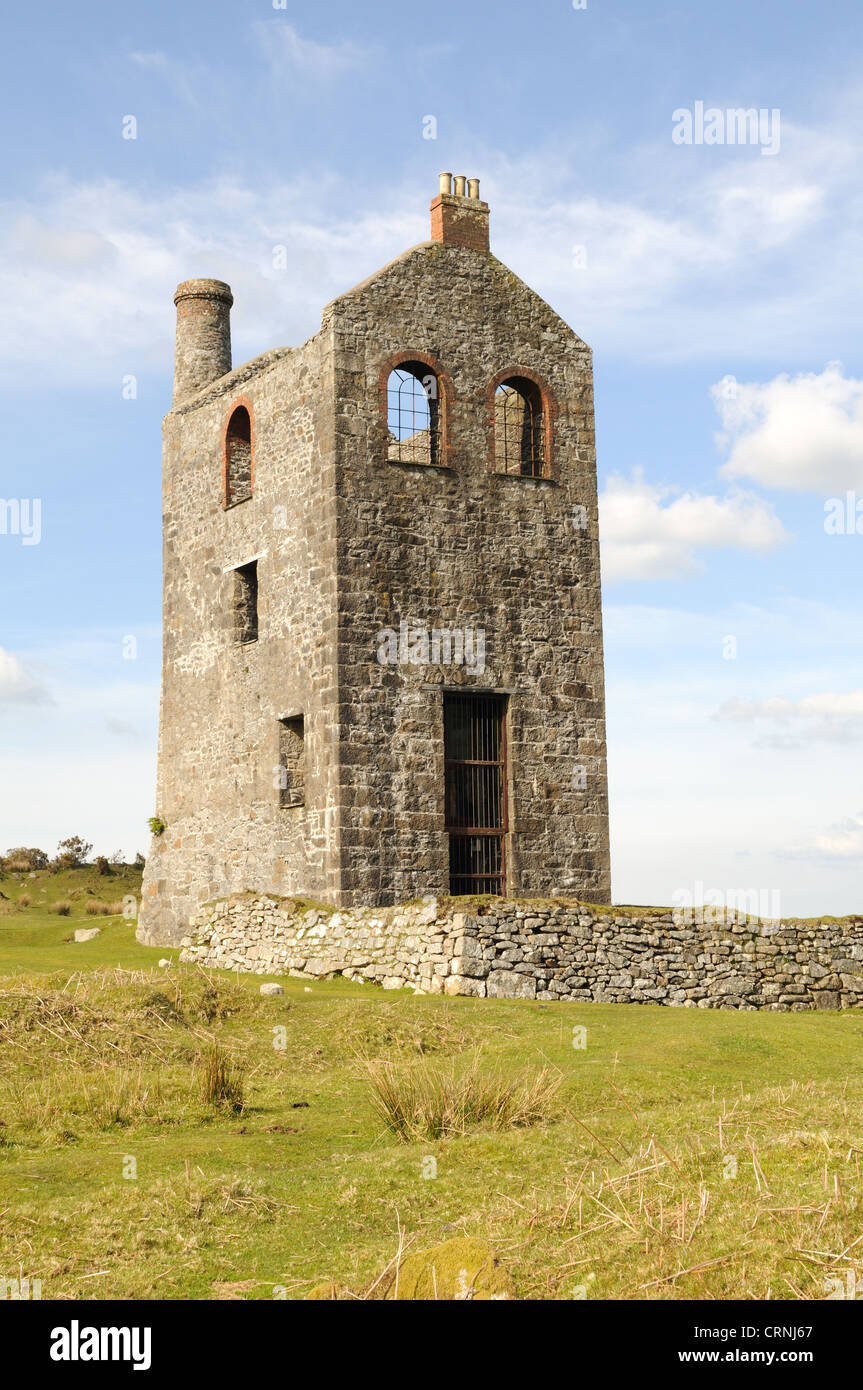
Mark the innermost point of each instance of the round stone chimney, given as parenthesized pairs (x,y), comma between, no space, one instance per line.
(203,351)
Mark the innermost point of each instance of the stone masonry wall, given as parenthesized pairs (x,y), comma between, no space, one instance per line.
(222,700)
(466,547)
(350,544)
(553,951)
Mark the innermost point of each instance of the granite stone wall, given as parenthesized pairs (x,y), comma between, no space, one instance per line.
(546,951)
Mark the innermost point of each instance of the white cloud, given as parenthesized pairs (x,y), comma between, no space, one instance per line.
(803,432)
(17,685)
(650,532)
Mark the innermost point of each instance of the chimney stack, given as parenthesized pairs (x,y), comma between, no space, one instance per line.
(203,351)
(459,218)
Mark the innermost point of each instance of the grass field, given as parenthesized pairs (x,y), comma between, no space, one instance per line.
(685,1154)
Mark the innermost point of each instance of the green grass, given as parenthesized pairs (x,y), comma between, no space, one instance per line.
(618,1187)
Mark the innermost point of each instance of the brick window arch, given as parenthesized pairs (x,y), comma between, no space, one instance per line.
(238,455)
(415,403)
(521,413)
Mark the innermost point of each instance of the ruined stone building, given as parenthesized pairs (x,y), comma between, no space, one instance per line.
(383,670)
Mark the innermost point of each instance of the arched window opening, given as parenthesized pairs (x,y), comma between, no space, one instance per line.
(413,414)
(519,436)
(238,457)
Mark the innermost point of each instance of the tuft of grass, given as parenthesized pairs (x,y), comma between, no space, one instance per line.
(62,908)
(96,908)
(24,900)
(222,1081)
(440,1102)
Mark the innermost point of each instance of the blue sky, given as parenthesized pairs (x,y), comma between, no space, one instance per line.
(734,764)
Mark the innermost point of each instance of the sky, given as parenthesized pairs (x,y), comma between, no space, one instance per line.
(293,149)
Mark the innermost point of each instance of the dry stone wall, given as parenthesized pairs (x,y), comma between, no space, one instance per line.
(550,951)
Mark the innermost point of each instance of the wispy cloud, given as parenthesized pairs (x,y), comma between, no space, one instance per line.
(121,728)
(825,717)
(842,842)
(83,760)
(188,81)
(666,274)
(287,51)
(94,267)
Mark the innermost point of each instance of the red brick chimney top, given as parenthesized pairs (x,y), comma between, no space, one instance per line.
(460,218)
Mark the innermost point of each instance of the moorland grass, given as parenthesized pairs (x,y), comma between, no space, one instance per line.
(682,1154)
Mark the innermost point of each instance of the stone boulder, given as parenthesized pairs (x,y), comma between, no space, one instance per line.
(460,1270)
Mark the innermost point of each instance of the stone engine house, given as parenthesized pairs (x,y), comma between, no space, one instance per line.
(383,669)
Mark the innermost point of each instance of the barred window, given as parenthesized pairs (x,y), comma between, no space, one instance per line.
(519,428)
(413,414)
(476,813)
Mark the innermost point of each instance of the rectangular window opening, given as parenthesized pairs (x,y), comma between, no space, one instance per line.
(476,809)
(292,762)
(246,603)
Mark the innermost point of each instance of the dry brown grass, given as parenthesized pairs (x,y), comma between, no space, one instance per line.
(436,1102)
(222,1081)
(96,908)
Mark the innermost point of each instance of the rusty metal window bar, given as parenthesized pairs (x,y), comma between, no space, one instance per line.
(413,414)
(519,435)
(476,810)
(238,457)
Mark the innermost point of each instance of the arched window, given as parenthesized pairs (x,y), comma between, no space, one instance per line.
(413,414)
(519,428)
(238,457)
